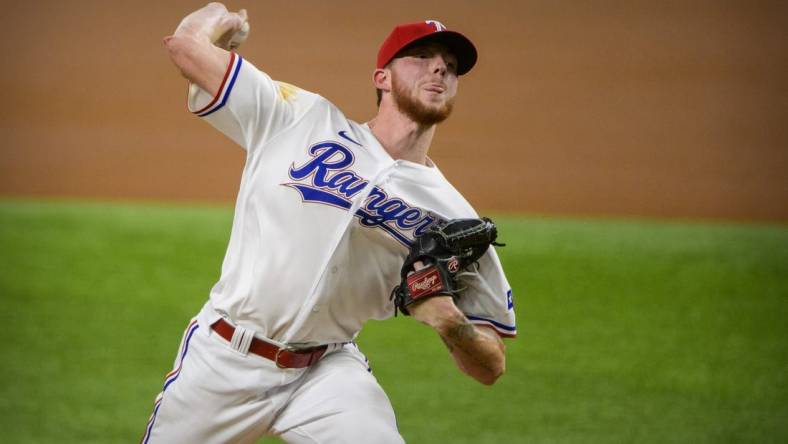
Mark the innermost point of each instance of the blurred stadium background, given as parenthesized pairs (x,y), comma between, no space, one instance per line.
(634,152)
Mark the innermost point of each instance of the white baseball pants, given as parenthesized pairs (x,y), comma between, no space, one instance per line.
(216,394)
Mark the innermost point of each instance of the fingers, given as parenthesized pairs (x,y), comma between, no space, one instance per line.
(232,30)
(216,7)
(232,21)
(418,265)
(242,33)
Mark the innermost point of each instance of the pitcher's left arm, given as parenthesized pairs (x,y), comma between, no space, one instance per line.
(478,351)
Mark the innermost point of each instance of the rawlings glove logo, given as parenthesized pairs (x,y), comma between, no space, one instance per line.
(424,282)
(453,265)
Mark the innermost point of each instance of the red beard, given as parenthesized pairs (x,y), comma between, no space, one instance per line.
(415,109)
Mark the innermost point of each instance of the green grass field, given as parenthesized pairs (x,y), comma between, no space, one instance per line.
(644,332)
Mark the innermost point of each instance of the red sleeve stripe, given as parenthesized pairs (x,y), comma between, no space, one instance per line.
(224,88)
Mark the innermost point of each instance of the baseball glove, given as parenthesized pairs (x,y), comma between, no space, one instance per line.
(446,249)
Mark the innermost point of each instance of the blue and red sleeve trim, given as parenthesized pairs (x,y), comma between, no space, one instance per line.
(224,89)
(506,331)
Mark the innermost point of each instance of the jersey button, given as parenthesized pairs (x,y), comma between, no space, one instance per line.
(334,269)
(315,309)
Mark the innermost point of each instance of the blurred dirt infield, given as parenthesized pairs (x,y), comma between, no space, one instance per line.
(606,107)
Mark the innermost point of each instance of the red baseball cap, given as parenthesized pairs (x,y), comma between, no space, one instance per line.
(429,30)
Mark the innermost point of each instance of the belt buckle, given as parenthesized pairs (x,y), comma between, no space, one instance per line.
(279,352)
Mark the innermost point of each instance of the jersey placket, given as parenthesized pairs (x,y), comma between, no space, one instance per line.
(311,300)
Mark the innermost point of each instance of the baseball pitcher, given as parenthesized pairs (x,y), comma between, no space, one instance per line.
(336,223)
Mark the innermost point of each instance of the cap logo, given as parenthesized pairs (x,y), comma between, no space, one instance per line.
(425,32)
(438,25)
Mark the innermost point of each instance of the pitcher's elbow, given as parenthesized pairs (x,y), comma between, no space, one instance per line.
(491,377)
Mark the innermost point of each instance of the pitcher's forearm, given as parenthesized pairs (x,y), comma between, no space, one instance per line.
(478,351)
(196,45)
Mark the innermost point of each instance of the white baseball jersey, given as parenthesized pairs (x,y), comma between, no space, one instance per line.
(324,217)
